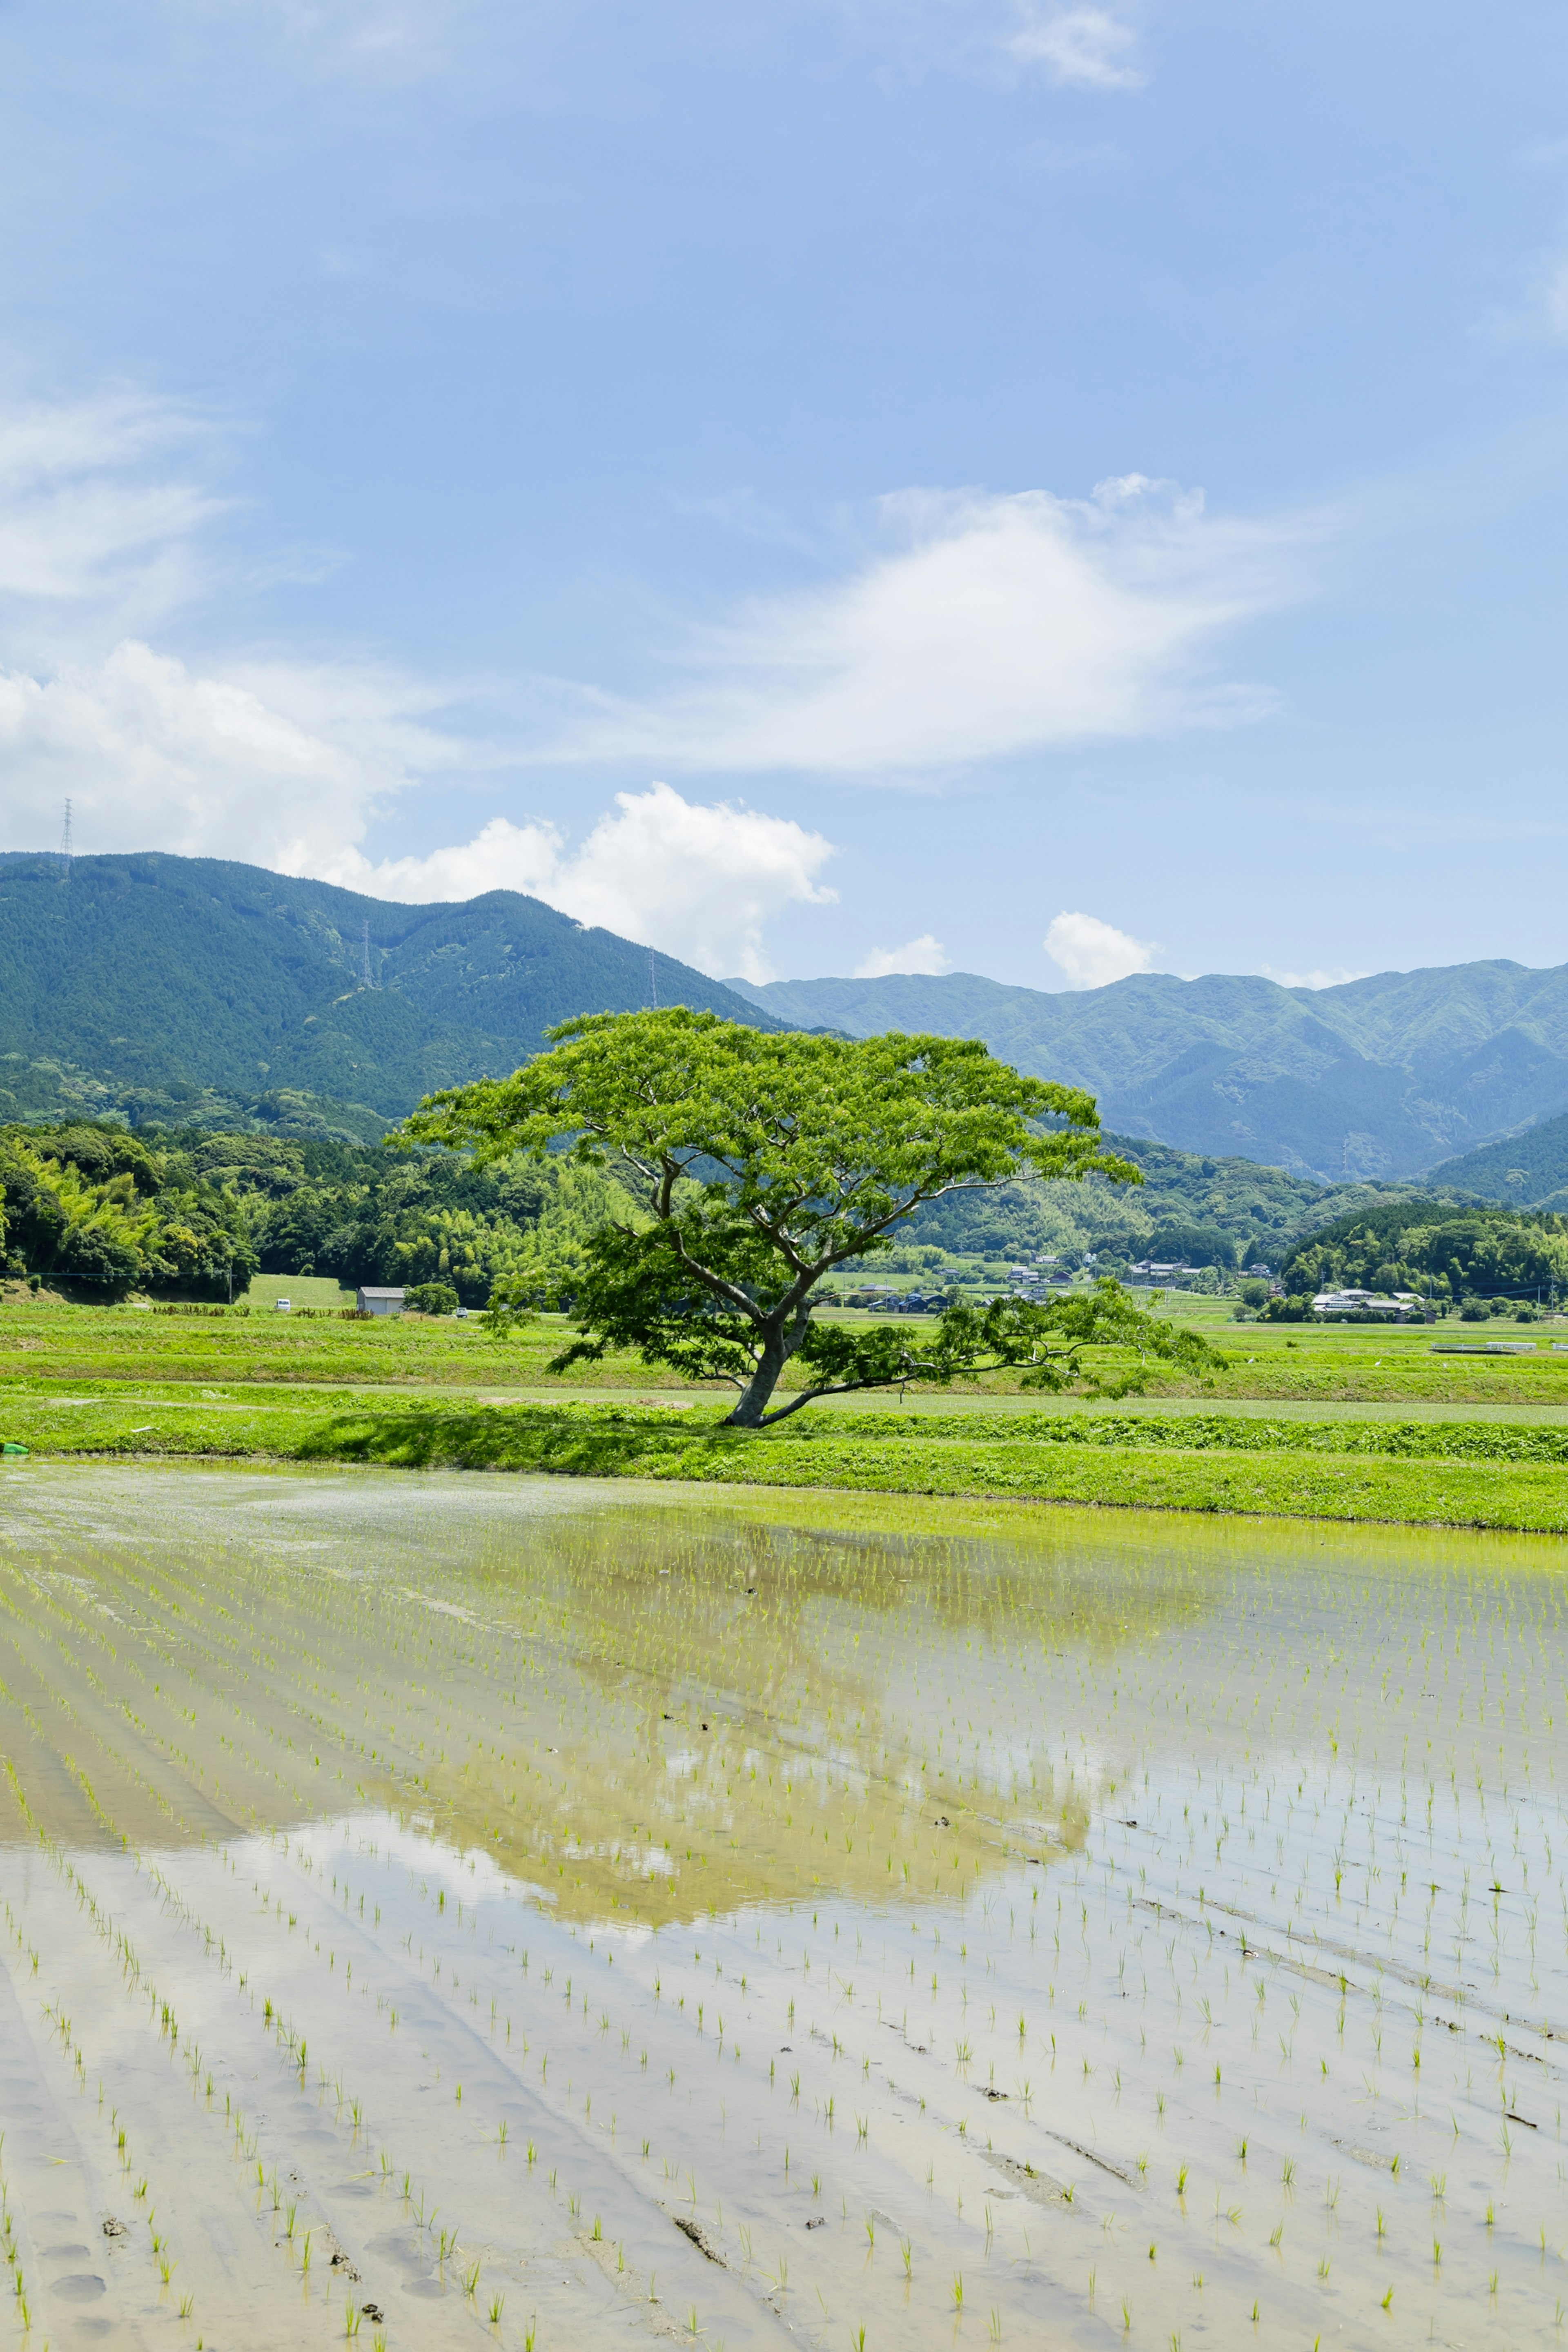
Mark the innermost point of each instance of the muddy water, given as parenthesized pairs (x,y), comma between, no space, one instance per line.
(447,1910)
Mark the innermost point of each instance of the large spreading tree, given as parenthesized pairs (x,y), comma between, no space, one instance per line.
(758,1163)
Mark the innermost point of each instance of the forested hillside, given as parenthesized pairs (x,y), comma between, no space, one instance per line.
(1379,1077)
(1448,1255)
(93,1212)
(97,1212)
(188,991)
(1219,1213)
(1526,1170)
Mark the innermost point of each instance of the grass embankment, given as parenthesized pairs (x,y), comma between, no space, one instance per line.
(1447,1473)
(84,1382)
(1339,1364)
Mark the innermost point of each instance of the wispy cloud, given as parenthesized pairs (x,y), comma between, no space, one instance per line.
(398,36)
(108,511)
(992,624)
(103,503)
(1088,49)
(1092,953)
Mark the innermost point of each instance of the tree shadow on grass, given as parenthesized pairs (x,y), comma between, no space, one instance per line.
(433,1436)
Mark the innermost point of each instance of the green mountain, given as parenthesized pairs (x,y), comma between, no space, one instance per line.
(185,990)
(1223,1212)
(1379,1077)
(1526,1170)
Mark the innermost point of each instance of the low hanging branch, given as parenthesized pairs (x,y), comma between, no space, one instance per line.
(761,1162)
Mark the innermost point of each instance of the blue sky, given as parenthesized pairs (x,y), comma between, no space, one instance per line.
(825,487)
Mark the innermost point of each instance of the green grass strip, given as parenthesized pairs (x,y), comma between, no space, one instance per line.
(1457,1475)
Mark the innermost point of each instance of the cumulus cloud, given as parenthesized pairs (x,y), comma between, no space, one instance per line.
(281,767)
(925,955)
(1334,976)
(702,882)
(994,624)
(1093,953)
(105,516)
(1088,48)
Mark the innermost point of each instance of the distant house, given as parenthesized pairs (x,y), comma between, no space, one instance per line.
(1380,1305)
(373,1300)
(1158,1273)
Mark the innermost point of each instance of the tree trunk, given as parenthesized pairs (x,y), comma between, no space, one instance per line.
(759,1388)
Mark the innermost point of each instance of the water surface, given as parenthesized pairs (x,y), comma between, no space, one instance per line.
(764,1917)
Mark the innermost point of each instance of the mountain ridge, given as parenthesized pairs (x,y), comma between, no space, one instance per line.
(1379,1077)
(202,991)
(151,978)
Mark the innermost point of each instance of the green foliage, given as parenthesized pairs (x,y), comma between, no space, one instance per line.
(431,1298)
(760,1164)
(1523,1172)
(92,1207)
(1486,1473)
(1213,1212)
(1433,1248)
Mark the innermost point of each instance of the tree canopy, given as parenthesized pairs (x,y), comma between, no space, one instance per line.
(759,1162)
(1441,1251)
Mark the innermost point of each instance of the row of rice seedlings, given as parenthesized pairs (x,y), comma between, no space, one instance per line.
(979,1769)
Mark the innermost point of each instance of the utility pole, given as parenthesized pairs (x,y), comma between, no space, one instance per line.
(67,847)
(652,979)
(364,953)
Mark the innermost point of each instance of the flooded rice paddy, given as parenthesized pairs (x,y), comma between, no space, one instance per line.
(449,1911)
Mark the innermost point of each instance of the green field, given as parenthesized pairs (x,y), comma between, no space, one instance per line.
(1340,1422)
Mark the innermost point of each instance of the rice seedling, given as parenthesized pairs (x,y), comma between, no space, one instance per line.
(1280,1787)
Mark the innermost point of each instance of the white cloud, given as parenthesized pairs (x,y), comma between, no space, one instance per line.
(997,626)
(281,767)
(700,882)
(281,762)
(922,955)
(1086,47)
(93,517)
(1093,953)
(1334,976)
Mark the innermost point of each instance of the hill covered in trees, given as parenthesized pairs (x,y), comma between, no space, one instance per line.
(1445,1252)
(1378,1078)
(95,1211)
(184,991)
(1529,1170)
(1221,1212)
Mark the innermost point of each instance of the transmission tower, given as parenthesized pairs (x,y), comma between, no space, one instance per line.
(66,848)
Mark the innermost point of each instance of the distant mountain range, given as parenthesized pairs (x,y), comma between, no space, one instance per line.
(184,989)
(1380,1078)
